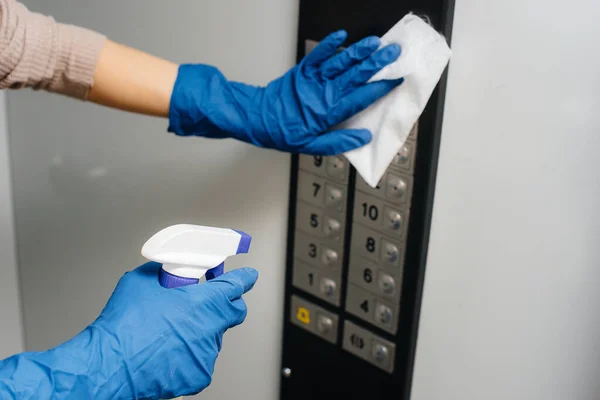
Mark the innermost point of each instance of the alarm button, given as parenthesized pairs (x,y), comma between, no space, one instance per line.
(324,324)
(302,313)
(368,347)
(357,340)
(382,354)
(314,319)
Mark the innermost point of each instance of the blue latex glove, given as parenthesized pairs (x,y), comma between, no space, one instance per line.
(148,343)
(293,113)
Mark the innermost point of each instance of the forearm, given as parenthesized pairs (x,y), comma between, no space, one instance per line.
(134,81)
(38,52)
(76,369)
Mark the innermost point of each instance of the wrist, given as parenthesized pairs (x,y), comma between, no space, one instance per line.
(191,99)
(204,103)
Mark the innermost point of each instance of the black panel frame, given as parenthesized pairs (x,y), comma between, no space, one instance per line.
(319,369)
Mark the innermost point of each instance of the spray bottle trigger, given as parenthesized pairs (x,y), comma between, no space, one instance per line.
(215,272)
(190,252)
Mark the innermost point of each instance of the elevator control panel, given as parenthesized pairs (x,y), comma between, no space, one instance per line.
(356,254)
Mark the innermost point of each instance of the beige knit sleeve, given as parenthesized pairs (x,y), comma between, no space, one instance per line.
(39,53)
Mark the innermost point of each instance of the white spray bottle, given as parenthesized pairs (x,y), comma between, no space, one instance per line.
(189,252)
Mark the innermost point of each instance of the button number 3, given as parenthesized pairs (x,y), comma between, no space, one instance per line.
(312,252)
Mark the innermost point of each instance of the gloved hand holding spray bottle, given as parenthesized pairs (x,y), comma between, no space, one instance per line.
(160,333)
(190,252)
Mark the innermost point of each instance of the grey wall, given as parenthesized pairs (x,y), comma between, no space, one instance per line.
(11,330)
(92,184)
(512,295)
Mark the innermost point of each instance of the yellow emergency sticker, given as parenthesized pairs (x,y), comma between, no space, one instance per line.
(303,315)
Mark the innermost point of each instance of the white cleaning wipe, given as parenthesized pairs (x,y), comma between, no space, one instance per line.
(422,61)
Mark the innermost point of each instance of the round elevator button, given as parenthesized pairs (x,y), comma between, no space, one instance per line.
(324,325)
(380,354)
(328,287)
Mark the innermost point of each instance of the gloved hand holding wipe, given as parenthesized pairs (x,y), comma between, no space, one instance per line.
(294,112)
(149,342)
